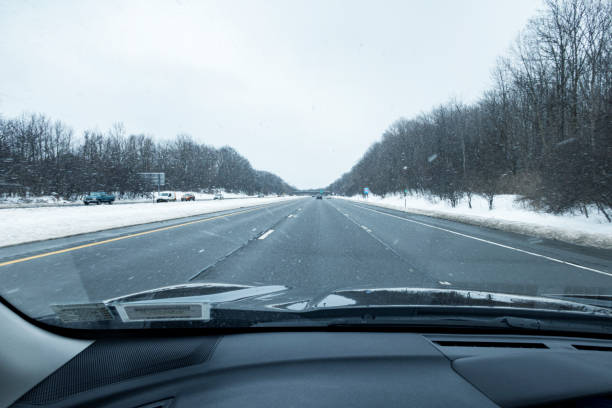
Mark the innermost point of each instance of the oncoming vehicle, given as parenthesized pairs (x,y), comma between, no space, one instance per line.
(165,197)
(188,197)
(98,197)
(218,196)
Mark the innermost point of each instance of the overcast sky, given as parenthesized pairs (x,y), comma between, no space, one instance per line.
(300,88)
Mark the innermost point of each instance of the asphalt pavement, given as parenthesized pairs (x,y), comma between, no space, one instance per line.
(313,246)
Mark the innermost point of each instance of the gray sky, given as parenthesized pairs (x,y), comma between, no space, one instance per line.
(300,88)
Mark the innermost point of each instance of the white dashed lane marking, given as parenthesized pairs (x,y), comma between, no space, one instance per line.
(265,235)
(489,242)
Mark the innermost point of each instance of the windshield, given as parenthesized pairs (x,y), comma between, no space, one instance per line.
(429,161)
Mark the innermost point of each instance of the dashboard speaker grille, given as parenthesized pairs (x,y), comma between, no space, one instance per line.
(110,361)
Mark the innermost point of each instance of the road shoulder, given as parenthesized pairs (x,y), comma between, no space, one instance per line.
(583,238)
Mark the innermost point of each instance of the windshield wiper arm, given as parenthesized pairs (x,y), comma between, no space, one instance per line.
(500,319)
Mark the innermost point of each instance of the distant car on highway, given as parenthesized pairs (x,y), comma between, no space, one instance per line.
(218,196)
(260,195)
(188,197)
(165,197)
(319,197)
(98,197)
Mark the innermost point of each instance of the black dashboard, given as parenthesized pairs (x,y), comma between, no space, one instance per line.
(315,369)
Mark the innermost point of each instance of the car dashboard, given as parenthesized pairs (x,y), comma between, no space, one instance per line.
(342,368)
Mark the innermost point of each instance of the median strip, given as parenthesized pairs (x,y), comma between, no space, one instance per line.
(24,225)
(106,241)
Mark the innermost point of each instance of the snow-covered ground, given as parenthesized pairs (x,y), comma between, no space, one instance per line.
(509,215)
(53,201)
(16,201)
(20,225)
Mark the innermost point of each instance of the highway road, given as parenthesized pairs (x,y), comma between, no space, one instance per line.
(314,246)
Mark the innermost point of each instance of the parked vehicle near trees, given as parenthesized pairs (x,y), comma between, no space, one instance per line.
(98,197)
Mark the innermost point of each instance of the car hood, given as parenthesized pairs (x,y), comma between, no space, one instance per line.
(196,300)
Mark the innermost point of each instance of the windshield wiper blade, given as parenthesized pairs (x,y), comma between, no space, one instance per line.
(604,301)
(439,322)
(504,319)
(411,296)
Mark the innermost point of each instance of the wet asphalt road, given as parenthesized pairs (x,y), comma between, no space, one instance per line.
(312,246)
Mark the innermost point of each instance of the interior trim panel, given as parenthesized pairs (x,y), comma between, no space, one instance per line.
(313,369)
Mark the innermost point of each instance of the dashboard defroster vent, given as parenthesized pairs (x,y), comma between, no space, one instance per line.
(590,347)
(496,344)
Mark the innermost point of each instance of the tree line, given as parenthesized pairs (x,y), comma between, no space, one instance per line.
(41,156)
(544,130)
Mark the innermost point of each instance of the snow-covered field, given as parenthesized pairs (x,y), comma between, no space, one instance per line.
(20,225)
(53,201)
(508,215)
(17,201)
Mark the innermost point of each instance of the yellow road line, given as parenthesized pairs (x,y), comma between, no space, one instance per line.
(62,251)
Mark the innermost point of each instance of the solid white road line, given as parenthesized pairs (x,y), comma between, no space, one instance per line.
(490,242)
(268,232)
